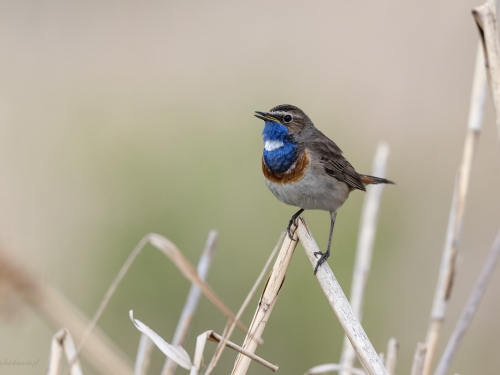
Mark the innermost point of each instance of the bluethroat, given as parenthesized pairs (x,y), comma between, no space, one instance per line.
(304,168)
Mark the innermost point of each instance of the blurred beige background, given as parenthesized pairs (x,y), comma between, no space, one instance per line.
(122,118)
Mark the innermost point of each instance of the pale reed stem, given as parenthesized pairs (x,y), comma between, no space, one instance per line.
(192,300)
(470,308)
(338,302)
(364,250)
(266,303)
(450,251)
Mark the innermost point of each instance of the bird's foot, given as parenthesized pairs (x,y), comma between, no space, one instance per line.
(292,221)
(322,259)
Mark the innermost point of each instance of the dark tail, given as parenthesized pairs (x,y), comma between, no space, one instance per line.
(367,180)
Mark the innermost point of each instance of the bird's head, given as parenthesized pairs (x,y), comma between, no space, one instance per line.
(283,120)
(282,136)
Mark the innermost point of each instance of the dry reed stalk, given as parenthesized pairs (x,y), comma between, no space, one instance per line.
(470,308)
(62,341)
(143,355)
(381,356)
(364,250)
(192,300)
(179,260)
(266,302)
(176,352)
(486,20)
(181,357)
(229,328)
(392,356)
(333,367)
(336,298)
(212,336)
(101,353)
(419,359)
(450,251)
(176,256)
(485,17)
(55,356)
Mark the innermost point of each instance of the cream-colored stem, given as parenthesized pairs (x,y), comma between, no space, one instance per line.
(338,301)
(192,300)
(450,251)
(470,308)
(266,303)
(364,250)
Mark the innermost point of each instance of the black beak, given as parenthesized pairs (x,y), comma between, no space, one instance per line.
(265,116)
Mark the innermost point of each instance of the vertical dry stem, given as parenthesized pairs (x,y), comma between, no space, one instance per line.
(180,261)
(418,359)
(450,251)
(192,300)
(143,355)
(229,328)
(364,249)
(333,367)
(336,298)
(485,16)
(189,272)
(62,340)
(392,356)
(266,303)
(102,354)
(212,336)
(470,308)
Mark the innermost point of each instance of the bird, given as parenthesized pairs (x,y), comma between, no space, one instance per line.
(304,168)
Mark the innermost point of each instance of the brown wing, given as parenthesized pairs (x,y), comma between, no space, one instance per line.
(334,163)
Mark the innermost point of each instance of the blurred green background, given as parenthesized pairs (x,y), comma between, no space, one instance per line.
(122,118)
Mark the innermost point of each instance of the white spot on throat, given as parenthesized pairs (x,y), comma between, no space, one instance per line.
(273,145)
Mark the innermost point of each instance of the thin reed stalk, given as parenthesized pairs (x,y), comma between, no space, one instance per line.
(230,325)
(143,356)
(450,251)
(212,336)
(336,298)
(470,308)
(266,302)
(419,359)
(392,356)
(333,367)
(192,300)
(101,353)
(180,261)
(486,21)
(62,342)
(364,250)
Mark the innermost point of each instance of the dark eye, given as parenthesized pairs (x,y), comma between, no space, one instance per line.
(287,118)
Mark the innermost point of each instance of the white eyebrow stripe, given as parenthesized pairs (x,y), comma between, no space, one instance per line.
(273,145)
(277,113)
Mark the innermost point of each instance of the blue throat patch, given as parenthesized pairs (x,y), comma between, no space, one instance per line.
(280,159)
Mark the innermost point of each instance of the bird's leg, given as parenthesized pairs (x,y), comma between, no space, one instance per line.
(292,221)
(324,256)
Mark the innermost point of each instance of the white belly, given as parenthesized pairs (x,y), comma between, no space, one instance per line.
(312,193)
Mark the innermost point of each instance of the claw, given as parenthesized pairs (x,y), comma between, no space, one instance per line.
(288,230)
(290,223)
(321,260)
(293,220)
